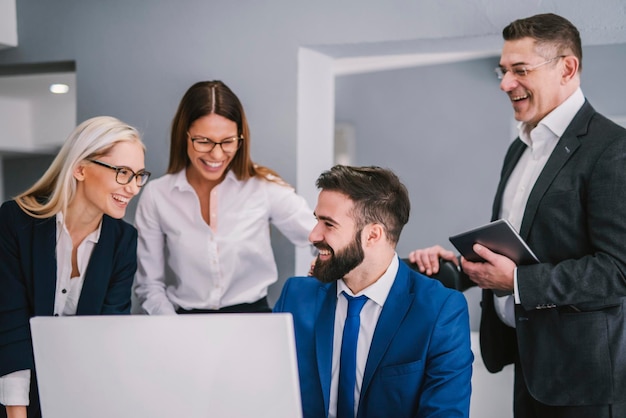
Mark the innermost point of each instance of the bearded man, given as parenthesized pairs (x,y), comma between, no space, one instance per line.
(374,338)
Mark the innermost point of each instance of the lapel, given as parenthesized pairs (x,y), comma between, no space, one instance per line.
(396,306)
(44,265)
(563,151)
(324,333)
(510,161)
(98,273)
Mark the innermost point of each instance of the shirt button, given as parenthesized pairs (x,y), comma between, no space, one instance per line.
(64,291)
(56,314)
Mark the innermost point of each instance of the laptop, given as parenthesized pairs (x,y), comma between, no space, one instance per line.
(192,366)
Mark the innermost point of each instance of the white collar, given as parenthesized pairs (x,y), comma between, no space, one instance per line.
(379,290)
(559,119)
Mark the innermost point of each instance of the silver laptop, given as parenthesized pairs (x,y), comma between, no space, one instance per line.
(192,366)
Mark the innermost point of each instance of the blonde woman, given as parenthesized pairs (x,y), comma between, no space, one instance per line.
(64,249)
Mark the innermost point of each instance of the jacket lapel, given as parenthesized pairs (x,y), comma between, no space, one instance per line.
(324,333)
(44,265)
(563,151)
(98,273)
(510,161)
(395,309)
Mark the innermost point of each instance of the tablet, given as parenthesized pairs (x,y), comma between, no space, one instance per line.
(500,237)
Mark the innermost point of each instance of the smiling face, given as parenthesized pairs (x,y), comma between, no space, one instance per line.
(543,89)
(210,166)
(336,237)
(97,190)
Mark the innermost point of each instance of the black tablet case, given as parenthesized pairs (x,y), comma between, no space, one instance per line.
(500,237)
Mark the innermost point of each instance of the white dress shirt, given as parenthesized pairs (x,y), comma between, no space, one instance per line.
(184,262)
(377,295)
(540,142)
(15,387)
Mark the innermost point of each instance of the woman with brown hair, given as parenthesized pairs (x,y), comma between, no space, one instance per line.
(204,227)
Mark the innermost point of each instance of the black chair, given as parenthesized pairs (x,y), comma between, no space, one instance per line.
(449,275)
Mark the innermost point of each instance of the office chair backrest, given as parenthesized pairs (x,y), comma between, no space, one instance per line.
(449,275)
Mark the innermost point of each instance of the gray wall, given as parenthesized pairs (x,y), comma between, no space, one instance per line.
(443,129)
(134,59)
(19,172)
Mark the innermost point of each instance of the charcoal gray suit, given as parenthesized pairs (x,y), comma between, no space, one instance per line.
(570,335)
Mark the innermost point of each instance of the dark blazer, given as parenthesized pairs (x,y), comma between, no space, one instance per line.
(420,360)
(28,278)
(570,327)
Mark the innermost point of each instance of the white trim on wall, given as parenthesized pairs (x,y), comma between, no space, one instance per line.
(368,64)
(316,123)
(8,24)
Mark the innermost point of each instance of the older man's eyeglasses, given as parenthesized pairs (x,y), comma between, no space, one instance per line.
(521,71)
(124,175)
(228,145)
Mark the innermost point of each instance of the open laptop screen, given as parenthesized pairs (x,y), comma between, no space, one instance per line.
(217,365)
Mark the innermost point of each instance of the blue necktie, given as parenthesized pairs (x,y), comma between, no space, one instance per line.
(347,362)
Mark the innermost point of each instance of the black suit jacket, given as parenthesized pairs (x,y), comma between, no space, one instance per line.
(570,326)
(28,279)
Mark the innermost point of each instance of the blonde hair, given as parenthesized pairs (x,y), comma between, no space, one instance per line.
(93,138)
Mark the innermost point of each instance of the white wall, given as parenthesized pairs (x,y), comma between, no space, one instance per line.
(15,125)
(8,24)
(32,119)
(54,116)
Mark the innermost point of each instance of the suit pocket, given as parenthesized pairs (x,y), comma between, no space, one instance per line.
(401,383)
(402,369)
(560,201)
(569,357)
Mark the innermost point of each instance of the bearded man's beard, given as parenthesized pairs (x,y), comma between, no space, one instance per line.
(339,264)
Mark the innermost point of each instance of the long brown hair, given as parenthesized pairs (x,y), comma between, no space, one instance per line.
(214,97)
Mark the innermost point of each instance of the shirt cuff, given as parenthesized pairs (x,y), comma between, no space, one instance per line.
(158,307)
(15,388)
(515,288)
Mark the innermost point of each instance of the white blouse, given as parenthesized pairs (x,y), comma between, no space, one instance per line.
(184,262)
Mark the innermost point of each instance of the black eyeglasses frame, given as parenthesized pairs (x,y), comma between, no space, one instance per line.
(141,174)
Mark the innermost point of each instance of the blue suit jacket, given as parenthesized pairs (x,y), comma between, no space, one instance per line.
(28,278)
(420,360)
